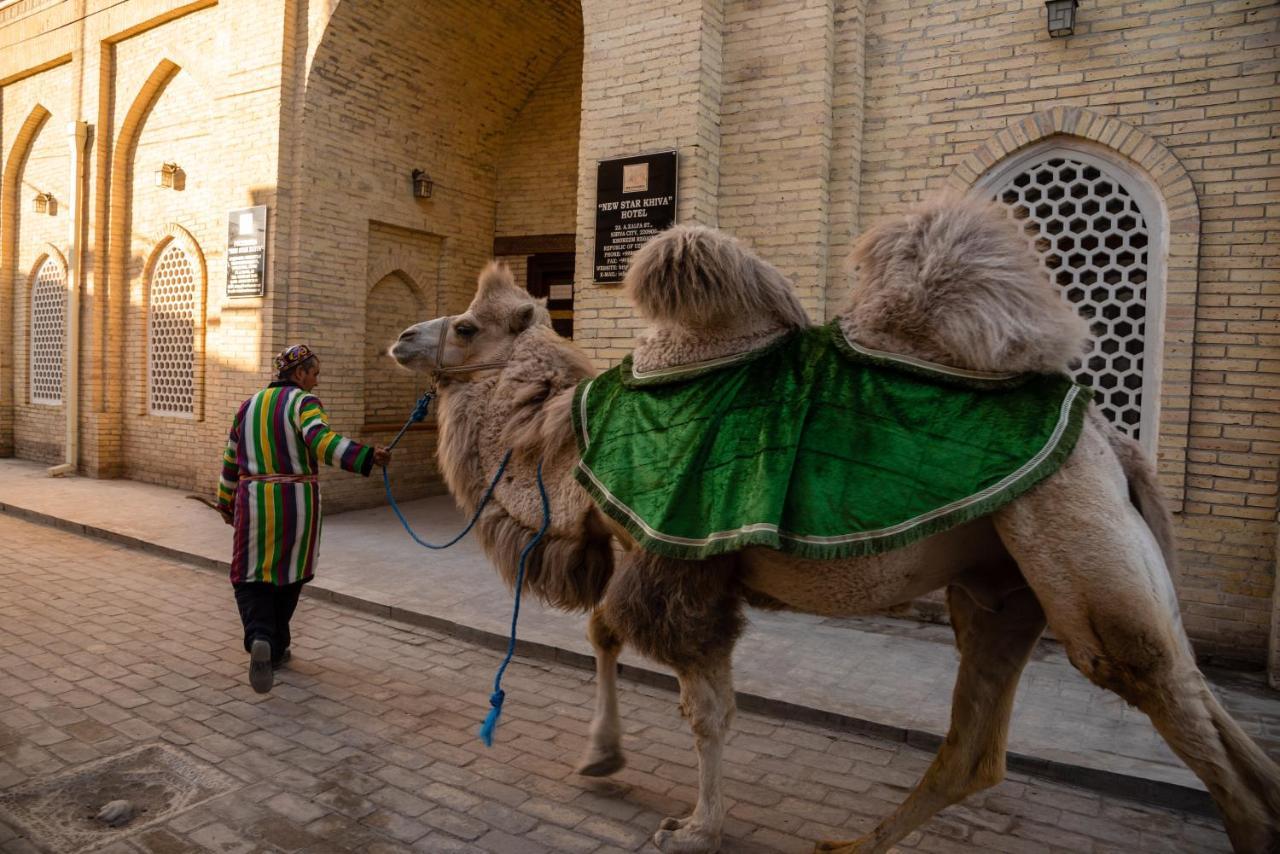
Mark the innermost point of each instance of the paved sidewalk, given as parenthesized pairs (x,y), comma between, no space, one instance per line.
(121,675)
(888,677)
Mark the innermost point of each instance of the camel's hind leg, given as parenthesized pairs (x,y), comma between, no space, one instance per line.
(994,647)
(604,750)
(1100,577)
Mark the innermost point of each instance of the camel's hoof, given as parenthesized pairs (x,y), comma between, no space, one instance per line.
(681,836)
(837,846)
(603,764)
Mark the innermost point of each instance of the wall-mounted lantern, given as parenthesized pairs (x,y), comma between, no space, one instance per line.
(41,203)
(422,184)
(167,175)
(1062,17)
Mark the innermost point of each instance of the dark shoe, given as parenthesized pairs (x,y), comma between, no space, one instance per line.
(282,660)
(260,676)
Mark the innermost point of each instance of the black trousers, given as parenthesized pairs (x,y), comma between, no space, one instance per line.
(265,611)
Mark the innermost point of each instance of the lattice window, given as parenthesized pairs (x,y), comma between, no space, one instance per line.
(171,333)
(48,327)
(1093,240)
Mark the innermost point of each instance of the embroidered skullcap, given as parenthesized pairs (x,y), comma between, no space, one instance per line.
(292,357)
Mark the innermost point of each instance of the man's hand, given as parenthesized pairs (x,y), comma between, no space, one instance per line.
(227,515)
(381,456)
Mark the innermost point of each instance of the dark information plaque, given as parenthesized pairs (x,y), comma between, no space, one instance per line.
(247,252)
(635,199)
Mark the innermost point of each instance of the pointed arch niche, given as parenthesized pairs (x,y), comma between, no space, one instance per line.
(393,303)
(174,281)
(46,316)
(1115,221)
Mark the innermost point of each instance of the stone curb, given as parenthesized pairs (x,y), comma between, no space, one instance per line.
(1154,792)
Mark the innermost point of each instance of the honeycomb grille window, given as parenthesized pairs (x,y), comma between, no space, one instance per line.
(48,325)
(1093,241)
(171,334)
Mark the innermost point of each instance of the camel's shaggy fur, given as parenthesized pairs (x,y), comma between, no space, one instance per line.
(685,618)
(1087,551)
(954,283)
(709,296)
(525,408)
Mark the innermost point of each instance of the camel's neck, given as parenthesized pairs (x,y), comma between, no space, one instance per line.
(525,410)
(460,415)
(670,346)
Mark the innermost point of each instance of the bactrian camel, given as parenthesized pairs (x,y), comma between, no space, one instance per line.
(1087,551)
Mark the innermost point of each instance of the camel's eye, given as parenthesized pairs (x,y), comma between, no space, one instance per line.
(464,329)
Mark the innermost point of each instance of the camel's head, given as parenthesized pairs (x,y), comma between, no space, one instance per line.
(482,335)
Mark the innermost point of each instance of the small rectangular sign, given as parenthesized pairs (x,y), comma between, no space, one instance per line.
(247,252)
(635,199)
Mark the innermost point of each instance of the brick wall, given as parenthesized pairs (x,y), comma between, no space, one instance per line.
(537,167)
(651,80)
(944,80)
(156,84)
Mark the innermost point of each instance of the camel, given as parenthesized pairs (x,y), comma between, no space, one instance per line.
(1087,551)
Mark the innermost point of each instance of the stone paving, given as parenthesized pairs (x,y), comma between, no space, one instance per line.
(368,742)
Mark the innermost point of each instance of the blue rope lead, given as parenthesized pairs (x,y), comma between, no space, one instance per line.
(493,484)
(498,695)
(419,413)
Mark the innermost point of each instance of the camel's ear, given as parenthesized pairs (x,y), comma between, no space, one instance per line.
(494,277)
(523,317)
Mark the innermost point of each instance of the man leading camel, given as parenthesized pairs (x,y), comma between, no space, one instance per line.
(270,493)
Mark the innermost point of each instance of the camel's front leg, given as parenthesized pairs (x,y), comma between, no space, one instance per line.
(706,700)
(604,751)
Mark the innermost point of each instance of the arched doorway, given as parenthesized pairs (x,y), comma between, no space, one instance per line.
(484,100)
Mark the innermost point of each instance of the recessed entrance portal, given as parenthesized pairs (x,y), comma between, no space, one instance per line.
(551,276)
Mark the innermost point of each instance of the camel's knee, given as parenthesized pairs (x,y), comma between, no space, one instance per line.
(1132,658)
(707,702)
(601,636)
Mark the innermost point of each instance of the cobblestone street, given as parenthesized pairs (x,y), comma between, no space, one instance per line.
(368,741)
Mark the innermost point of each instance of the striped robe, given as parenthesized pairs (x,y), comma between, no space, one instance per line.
(282,430)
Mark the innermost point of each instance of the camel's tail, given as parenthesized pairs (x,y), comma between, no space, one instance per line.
(1144,489)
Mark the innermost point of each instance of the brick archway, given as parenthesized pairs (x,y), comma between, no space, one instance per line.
(1176,194)
(114,234)
(10,187)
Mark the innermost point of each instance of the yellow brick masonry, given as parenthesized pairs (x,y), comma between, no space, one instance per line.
(1195,80)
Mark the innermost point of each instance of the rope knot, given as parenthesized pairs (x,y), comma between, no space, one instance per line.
(420,411)
(491,719)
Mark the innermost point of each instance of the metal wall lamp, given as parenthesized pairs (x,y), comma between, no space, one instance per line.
(166,175)
(40,204)
(422,184)
(1062,17)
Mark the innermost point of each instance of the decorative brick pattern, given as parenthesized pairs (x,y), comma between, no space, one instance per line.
(48,331)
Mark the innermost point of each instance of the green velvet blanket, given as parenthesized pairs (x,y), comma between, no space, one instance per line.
(815,446)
